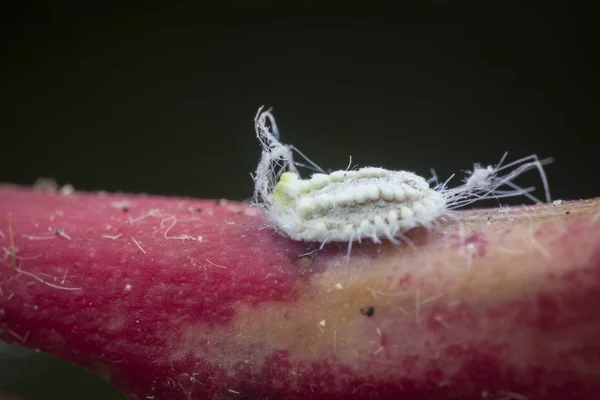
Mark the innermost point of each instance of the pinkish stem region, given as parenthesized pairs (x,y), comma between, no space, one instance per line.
(176,298)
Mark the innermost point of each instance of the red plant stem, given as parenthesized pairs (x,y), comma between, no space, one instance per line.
(190,299)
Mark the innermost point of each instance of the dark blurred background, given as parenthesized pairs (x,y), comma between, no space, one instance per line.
(160,98)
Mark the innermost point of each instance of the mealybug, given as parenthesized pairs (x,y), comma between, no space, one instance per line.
(368,203)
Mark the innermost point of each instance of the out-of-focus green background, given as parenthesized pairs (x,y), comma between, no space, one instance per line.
(160,98)
(34,375)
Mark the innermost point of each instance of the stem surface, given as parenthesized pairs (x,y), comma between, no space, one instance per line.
(173,298)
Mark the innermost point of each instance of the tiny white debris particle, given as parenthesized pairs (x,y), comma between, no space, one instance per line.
(62,234)
(307,253)
(334,340)
(557,202)
(45,185)
(541,249)
(128,288)
(338,286)
(440,319)
(379,350)
(251,212)
(45,237)
(199,239)
(471,250)
(214,265)
(122,204)
(323,323)
(233,391)
(20,338)
(234,209)
(64,277)
(113,237)
(67,190)
(138,245)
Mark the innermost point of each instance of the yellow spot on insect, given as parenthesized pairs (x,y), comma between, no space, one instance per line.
(280,193)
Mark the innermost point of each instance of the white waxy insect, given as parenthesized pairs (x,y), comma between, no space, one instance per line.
(350,206)
(368,203)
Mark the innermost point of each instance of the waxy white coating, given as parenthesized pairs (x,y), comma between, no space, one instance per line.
(352,205)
